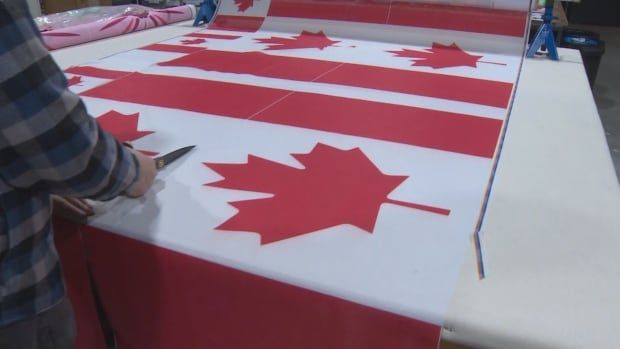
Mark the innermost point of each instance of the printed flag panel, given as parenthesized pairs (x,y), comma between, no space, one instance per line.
(336,154)
(334,259)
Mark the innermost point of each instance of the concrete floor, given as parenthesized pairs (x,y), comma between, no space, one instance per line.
(607,89)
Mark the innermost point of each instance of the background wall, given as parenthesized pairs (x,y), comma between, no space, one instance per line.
(596,12)
(35,8)
(54,6)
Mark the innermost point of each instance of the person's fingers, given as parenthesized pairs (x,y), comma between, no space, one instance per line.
(70,215)
(82,205)
(63,207)
(148,171)
(68,206)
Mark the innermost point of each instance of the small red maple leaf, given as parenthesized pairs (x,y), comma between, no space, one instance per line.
(243,5)
(335,187)
(193,41)
(440,56)
(304,40)
(123,127)
(74,80)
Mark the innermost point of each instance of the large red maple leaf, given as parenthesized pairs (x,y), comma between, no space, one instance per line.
(243,5)
(440,56)
(335,187)
(123,127)
(306,39)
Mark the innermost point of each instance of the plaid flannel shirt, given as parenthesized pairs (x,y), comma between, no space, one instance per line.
(48,145)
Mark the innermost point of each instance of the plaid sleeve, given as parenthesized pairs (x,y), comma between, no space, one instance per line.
(48,142)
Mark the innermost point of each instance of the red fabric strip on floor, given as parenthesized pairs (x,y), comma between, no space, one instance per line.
(238,23)
(70,245)
(172,48)
(410,125)
(200,304)
(96,72)
(478,91)
(449,17)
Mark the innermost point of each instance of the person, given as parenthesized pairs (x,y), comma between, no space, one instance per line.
(49,145)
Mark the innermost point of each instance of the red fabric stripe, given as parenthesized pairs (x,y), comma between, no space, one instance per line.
(172,48)
(96,72)
(365,11)
(238,23)
(256,63)
(478,91)
(200,304)
(212,36)
(461,18)
(416,126)
(232,100)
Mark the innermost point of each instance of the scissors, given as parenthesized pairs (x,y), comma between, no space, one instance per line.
(167,159)
(160,163)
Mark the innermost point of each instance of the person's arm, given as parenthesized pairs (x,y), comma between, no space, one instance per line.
(48,142)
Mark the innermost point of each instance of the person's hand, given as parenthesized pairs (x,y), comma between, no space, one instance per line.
(146,178)
(75,210)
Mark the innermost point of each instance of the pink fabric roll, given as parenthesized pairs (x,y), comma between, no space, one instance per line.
(115,26)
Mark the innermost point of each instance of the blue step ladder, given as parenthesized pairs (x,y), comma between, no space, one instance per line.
(544,36)
(206,11)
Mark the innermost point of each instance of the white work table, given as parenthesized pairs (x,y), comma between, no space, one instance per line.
(552,229)
(551,235)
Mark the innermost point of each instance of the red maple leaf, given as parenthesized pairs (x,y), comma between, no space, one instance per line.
(193,41)
(335,187)
(243,5)
(304,40)
(74,80)
(440,56)
(123,127)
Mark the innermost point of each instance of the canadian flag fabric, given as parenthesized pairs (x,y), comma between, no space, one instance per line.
(334,163)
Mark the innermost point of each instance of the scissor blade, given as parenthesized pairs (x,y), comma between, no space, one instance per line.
(165,160)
